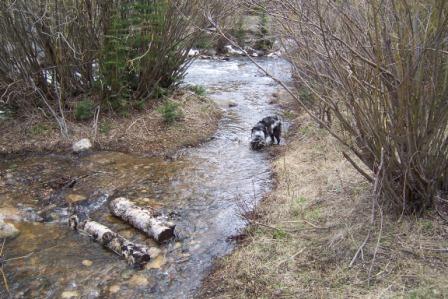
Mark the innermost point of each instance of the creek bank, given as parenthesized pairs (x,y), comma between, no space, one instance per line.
(143,132)
(304,235)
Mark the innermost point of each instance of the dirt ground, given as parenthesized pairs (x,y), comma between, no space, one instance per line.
(312,237)
(143,132)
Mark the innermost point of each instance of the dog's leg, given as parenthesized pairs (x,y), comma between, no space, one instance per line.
(278,132)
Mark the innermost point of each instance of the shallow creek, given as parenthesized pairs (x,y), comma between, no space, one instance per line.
(202,189)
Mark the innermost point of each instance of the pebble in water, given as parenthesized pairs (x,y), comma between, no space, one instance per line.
(74,198)
(87,263)
(70,294)
(138,280)
(114,289)
(8,230)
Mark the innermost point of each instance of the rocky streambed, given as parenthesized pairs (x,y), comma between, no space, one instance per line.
(203,190)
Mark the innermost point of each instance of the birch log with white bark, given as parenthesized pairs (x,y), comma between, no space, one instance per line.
(156,227)
(135,254)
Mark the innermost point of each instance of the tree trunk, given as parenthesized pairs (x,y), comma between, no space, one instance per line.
(135,254)
(145,220)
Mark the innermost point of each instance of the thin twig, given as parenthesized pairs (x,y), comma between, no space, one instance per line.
(5,281)
(359,250)
(376,194)
(377,245)
(20,257)
(3,245)
(378,182)
(291,257)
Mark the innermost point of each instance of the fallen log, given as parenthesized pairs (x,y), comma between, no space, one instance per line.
(136,255)
(155,226)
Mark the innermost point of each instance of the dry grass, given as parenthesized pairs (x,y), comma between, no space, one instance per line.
(321,212)
(144,132)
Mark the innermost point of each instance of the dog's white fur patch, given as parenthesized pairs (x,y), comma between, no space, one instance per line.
(275,124)
(258,134)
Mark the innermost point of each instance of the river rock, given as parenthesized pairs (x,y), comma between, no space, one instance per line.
(8,230)
(114,289)
(75,198)
(138,280)
(126,274)
(70,294)
(252,52)
(230,50)
(87,263)
(232,103)
(82,145)
(11,214)
(156,263)
(210,52)
(193,53)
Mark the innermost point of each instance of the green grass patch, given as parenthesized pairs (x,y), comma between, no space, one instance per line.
(313,215)
(288,114)
(105,127)
(198,89)
(12,167)
(279,234)
(39,129)
(170,112)
(426,225)
(84,110)
(297,206)
(426,292)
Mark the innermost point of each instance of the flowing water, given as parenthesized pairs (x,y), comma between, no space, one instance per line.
(203,190)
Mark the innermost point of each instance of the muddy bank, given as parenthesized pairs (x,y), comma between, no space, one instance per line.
(143,132)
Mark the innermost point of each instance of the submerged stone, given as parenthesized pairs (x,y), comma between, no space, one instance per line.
(126,274)
(232,104)
(70,294)
(138,280)
(156,263)
(74,198)
(87,263)
(114,289)
(8,230)
(11,214)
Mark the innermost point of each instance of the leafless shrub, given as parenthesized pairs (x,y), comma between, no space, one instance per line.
(380,68)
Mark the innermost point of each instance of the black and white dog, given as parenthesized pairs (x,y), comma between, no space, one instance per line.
(270,126)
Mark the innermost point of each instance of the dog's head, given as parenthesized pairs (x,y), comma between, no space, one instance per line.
(258,137)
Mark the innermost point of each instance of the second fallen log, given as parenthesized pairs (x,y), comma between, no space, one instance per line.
(155,226)
(135,254)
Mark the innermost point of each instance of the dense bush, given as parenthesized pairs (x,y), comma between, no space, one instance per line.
(380,67)
(119,50)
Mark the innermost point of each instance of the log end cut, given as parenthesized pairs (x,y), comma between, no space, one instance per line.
(166,234)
